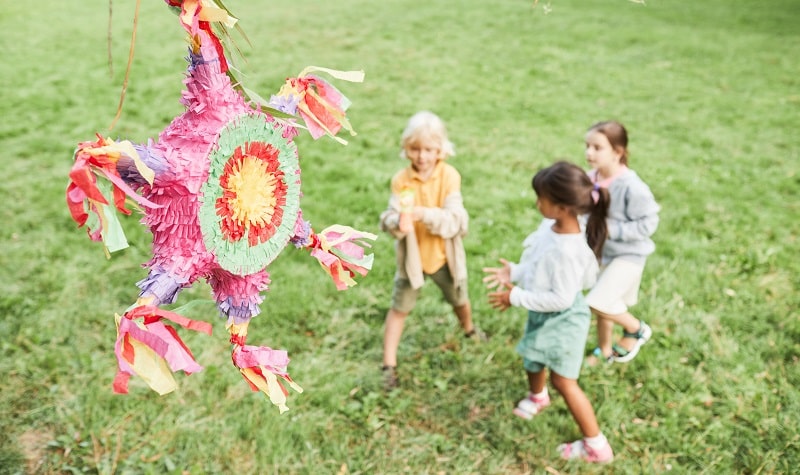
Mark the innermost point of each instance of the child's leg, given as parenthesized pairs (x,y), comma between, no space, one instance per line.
(616,289)
(455,296)
(536,381)
(631,325)
(593,446)
(578,404)
(605,331)
(464,315)
(404,297)
(393,330)
(635,330)
(537,398)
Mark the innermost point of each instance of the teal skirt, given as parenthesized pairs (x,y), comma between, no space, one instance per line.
(556,340)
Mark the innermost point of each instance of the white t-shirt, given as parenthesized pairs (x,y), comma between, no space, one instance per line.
(552,270)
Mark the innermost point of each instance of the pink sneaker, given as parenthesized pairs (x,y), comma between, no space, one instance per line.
(582,450)
(531,405)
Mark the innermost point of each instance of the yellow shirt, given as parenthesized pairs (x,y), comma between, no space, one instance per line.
(429,193)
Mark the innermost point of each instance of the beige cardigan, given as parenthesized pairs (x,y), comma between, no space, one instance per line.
(450,221)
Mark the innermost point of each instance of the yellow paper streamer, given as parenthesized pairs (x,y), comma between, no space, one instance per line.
(211,12)
(351,76)
(148,365)
(152,368)
(269,387)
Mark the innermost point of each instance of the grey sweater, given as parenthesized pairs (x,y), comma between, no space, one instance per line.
(632,219)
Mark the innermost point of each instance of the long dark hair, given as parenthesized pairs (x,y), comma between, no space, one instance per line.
(566,184)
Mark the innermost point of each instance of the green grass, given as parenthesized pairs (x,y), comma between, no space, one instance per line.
(709,93)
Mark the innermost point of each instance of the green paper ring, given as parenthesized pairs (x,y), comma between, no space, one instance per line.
(247,226)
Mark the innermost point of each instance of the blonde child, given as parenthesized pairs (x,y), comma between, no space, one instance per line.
(632,219)
(558,262)
(427,217)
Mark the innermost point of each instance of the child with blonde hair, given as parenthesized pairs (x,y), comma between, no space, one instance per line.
(427,218)
(558,262)
(632,220)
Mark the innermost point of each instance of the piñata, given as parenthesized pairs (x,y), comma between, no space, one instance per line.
(220,192)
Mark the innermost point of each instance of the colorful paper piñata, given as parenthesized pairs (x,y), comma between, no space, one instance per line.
(220,192)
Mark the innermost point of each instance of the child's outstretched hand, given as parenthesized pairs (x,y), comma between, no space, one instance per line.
(498,276)
(501,299)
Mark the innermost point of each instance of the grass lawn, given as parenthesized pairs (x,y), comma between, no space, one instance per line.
(710,94)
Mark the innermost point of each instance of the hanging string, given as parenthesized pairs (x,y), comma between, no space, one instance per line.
(128,68)
(108,40)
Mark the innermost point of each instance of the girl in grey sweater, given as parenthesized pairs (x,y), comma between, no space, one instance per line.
(632,220)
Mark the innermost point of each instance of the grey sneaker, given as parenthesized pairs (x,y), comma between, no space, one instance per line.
(477,335)
(389,378)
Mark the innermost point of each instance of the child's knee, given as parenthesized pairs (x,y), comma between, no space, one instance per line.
(561,383)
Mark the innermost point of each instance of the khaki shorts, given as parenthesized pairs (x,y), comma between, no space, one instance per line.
(404,298)
(617,288)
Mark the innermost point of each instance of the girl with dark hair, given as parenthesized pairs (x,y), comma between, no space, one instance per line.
(558,262)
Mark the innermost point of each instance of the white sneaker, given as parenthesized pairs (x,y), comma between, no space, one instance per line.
(582,450)
(531,405)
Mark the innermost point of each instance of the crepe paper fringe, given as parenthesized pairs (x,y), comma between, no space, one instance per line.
(238,297)
(340,251)
(243,256)
(254,194)
(196,15)
(163,287)
(238,332)
(147,347)
(264,369)
(208,90)
(320,105)
(129,170)
(103,223)
(212,19)
(178,247)
(84,194)
(302,232)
